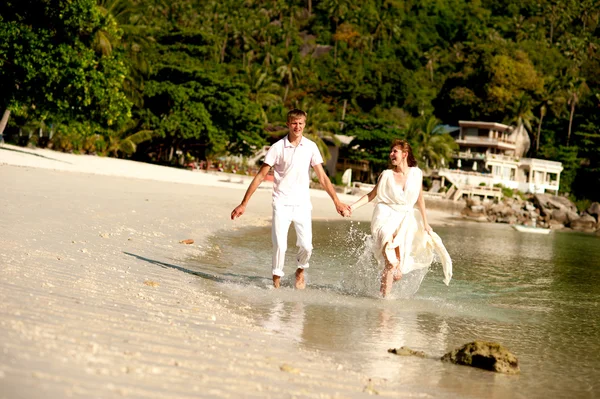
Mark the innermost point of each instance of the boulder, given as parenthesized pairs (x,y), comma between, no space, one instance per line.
(553,203)
(594,210)
(474,201)
(572,216)
(559,216)
(478,208)
(470,213)
(502,210)
(556,199)
(555,225)
(404,351)
(516,207)
(504,219)
(541,200)
(484,355)
(584,223)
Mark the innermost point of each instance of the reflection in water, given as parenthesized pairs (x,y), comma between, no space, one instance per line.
(286,318)
(537,295)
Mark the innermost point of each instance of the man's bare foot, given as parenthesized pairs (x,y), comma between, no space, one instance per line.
(276,281)
(300,283)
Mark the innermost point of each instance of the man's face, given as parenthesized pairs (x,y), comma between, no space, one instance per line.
(296,125)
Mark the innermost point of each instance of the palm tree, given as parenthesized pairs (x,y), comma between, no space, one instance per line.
(432,56)
(125,13)
(430,143)
(543,110)
(520,112)
(3,123)
(263,89)
(320,124)
(288,73)
(126,140)
(337,10)
(551,99)
(577,88)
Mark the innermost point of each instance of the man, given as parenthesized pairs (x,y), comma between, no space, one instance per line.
(291,159)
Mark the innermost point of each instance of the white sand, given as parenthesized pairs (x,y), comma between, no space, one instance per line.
(94,302)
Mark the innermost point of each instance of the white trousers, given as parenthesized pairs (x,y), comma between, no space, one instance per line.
(283,216)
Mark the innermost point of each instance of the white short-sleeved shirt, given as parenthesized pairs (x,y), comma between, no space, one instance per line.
(291,167)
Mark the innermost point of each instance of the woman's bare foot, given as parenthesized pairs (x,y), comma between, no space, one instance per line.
(276,281)
(300,283)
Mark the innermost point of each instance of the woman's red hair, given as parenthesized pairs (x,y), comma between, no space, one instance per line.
(405,147)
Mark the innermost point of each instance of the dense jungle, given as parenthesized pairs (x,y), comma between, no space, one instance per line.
(172,81)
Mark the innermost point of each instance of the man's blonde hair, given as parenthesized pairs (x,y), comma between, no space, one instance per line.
(295,114)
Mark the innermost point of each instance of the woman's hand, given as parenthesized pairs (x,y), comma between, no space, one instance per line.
(427,228)
(347,213)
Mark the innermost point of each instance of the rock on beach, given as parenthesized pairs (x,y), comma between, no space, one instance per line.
(484,355)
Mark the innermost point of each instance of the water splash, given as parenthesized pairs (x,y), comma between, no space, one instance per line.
(363,278)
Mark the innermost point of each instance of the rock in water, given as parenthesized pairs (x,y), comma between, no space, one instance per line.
(484,355)
(404,351)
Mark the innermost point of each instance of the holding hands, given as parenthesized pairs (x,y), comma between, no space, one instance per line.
(347,213)
(343,210)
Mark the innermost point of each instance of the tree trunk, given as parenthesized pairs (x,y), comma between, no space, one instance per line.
(335,52)
(287,89)
(224,44)
(539,132)
(343,114)
(309,7)
(573,101)
(3,123)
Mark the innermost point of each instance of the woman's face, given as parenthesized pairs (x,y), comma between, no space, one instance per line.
(397,155)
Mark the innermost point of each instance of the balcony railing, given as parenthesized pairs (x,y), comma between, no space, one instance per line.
(483,140)
(469,155)
(541,163)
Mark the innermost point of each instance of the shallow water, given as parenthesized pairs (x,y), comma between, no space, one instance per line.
(538,295)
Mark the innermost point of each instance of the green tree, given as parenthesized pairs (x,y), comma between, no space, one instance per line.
(372,139)
(430,143)
(51,62)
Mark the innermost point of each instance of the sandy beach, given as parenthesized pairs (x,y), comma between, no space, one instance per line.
(95,302)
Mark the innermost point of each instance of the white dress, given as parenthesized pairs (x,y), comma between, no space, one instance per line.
(397,224)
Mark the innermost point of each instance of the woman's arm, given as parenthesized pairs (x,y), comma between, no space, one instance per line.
(421,206)
(365,199)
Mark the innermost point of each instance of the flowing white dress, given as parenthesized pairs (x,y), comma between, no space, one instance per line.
(397,224)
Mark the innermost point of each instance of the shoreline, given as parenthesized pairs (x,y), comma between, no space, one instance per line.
(94,301)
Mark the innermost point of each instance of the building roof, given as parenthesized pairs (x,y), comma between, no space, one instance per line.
(485,125)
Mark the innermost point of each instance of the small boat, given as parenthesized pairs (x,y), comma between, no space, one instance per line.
(530,229)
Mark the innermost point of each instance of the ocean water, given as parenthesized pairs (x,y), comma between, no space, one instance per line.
(538,295)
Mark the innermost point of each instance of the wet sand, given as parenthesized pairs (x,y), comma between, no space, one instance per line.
(95,302)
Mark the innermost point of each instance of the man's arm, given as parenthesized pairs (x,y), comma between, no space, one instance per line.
(260,176)
(340,207)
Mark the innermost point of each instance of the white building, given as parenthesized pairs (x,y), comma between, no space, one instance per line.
(492,153)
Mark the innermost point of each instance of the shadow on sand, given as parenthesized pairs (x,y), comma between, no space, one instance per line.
(4,147)
(235,278)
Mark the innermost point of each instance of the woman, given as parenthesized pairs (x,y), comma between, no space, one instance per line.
(403,241)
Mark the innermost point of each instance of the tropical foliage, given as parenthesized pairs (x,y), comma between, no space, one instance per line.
(208,77)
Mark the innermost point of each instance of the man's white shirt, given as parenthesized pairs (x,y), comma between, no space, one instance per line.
(291,168)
